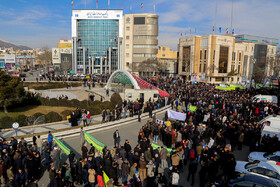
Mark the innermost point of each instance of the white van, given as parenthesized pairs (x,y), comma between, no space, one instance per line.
(271,126)
(265,98)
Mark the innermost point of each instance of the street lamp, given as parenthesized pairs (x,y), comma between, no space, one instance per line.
(253,61)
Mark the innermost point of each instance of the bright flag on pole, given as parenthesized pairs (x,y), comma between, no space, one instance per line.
(192,108)
(232,32)
(220,29)
(176,115)
(227,30)
(142,5)
(72,2)
(105,178)
(213,28)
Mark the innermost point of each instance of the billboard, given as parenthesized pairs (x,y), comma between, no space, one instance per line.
(55,55)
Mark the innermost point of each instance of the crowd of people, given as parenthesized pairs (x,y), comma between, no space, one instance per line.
(202,145)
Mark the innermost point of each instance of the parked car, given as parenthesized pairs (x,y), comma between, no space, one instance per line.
(251,181)
(269,170)
(263,156)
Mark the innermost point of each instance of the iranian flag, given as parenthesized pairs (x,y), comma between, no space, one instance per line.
(72,2)
(142,5)
(227,30)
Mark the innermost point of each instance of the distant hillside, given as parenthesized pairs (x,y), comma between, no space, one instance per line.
(16,47)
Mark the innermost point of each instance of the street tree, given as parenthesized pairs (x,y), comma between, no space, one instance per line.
(11,90)
(149,66)
(45,58)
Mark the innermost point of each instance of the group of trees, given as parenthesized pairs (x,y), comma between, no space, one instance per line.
(149,66)
(11,91)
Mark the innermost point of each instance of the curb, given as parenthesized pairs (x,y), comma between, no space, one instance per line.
(45,124)
(104,126)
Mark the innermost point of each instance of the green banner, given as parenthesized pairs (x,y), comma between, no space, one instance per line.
(90,141)
(225,88)
(156,146)
(192,108)
(95,140)
(62,146)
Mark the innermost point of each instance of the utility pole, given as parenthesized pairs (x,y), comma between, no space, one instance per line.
(231,16)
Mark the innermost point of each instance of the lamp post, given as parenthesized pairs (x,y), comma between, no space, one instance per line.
(253,61)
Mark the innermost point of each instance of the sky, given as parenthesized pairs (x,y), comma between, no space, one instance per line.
(39,23)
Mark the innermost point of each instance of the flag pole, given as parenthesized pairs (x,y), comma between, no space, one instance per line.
(85,4)
(216,10)
(96,4)
(109,3)
(231,16)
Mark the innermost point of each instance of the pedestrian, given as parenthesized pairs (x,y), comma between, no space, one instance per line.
(82,136)
(117,138)
(84,118)
(39,143)
(84,151)
(88,118)
(192,171)
(91,176)
(50,140)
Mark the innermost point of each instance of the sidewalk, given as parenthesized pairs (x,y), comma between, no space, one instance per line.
(44,128)
(33,129)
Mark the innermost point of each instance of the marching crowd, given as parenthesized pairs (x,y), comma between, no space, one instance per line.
(202,145)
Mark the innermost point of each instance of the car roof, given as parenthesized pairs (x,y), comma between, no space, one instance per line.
(253,178)
(272,165)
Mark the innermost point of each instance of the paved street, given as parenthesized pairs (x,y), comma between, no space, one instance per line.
(130,132)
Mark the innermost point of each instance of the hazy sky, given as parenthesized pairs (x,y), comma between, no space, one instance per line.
(38,23)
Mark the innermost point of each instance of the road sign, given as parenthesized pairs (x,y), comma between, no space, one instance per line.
(15,126)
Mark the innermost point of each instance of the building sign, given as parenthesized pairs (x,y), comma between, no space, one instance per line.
(97,15)
(66,50)
(56,55)
(256,39)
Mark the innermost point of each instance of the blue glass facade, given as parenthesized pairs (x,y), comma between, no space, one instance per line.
(96,35)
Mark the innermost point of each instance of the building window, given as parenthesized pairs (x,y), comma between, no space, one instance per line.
(145,46)
(214,54)
(139,20)
(246,48)
(127,37)
(239,57)
(127,46)
(127,63)
(186,59)
(145,37)
(127,54)
(127,28)
(163,55)
(200,55)
(223,60)
(233,56)
(163,48)
(204,67)
(252,49)
(205,54)
(238,68)
(200,68)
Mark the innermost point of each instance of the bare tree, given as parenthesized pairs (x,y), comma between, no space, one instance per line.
(46,57)
(149,66)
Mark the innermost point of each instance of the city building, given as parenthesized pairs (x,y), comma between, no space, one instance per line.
(62,57)
(140,41)
(230,59)
(63,43)
(168,58)
(97,40)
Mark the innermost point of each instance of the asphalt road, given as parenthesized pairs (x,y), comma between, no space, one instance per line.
(130,132)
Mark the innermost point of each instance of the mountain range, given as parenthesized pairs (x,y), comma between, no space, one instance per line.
(16,47)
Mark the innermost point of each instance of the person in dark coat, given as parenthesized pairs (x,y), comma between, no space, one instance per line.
(192,171)
(203,173)
(21,178)
(84,151)
(79,171)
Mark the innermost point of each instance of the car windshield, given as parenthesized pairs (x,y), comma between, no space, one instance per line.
(268,154)
(251,164)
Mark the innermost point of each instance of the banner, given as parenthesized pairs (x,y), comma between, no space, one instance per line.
(90,141)
(95,140)
(192,108)
(155,146)
(176,115)
(62,146)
